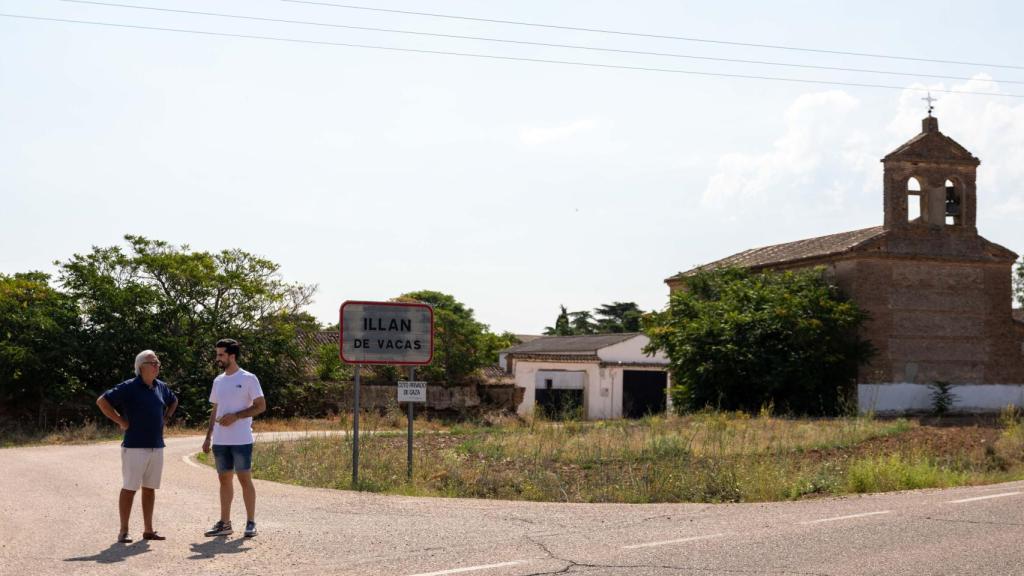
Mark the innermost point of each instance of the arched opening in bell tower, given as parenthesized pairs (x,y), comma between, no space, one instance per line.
(954,204)
(914,200)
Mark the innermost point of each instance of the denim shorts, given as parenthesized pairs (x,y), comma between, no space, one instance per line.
(233,458)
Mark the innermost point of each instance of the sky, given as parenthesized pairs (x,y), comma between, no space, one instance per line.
(514,183)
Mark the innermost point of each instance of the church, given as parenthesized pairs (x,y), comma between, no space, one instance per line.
(938,294)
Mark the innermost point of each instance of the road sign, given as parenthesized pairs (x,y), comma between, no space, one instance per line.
(412,391)
(387,333)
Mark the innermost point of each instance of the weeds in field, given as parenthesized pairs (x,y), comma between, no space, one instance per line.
(704,457)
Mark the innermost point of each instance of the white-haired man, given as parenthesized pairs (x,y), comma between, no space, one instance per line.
(140,406)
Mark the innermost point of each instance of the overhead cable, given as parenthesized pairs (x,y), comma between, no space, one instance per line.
(648,35)
(506,58)
(532,43)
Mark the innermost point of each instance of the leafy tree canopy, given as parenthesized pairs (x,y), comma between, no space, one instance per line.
(742,341)
(39,335)
(562,325)
(179,302)
(1018,283)
(616,317)
(462,345)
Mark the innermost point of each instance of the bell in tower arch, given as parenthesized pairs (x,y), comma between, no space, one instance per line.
(952,203)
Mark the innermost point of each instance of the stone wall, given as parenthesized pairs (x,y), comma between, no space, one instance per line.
(453,400)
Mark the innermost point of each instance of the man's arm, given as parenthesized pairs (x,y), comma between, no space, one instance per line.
(259,406)
(170,411)
(108,410)
(209,429)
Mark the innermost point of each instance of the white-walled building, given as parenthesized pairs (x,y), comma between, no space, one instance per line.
(608,375)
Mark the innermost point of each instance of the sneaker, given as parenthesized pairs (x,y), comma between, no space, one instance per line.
(250,529)
(221,528)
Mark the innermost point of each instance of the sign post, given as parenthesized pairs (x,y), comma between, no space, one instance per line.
(410,392)
(397,333)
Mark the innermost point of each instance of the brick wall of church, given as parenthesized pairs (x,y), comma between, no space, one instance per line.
(936,321)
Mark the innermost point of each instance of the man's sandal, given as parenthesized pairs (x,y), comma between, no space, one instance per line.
(152,536)
(123,539)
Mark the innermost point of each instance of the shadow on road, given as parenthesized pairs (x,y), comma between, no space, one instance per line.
(115,553)
(217,546)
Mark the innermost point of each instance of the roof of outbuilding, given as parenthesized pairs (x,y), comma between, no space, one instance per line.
(590,343)
(556,357)
(806,249)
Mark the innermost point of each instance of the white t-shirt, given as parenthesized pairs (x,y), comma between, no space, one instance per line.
(234,393)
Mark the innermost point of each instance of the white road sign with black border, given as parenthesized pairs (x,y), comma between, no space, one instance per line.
(412,391)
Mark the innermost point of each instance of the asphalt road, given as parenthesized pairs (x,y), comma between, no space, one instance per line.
(58,515)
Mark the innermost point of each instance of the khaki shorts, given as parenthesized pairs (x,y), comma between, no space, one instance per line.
(142,467)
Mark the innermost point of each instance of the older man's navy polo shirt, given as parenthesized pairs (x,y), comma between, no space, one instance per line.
(143,407)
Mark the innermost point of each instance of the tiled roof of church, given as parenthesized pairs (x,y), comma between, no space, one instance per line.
(791,251)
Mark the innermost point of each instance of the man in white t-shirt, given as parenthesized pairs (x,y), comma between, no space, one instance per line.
(236,398)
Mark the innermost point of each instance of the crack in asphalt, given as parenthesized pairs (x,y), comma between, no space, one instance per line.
(980,522)
(572,564)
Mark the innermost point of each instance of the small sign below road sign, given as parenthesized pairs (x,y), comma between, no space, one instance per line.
(409,391)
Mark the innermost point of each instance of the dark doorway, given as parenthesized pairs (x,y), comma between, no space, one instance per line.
(562,401)
(643,393)
(560,404)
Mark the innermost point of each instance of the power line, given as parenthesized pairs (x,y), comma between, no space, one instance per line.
(505,58)
(531,43)
(646,35)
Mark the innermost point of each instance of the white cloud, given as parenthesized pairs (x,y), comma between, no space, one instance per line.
(824,161)
(813,159)
(535,135)
(991,127)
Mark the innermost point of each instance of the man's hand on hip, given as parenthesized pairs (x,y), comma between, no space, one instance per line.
(227,419)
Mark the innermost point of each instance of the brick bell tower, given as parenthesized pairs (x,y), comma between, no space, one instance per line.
(932,177)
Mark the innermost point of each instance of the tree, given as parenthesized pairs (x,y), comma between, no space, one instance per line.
(618,317)
(561,327)
(741,341)
(178,302)
(495,343)
(460,344)
(39,335)
(582,322)
(1018,283)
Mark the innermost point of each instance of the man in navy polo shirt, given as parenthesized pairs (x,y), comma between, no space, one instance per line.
(140,406)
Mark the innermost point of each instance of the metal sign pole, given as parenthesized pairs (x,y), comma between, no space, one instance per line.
(408,473)
(355,433)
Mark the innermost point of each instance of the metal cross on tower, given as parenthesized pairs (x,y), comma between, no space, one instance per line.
(929,100)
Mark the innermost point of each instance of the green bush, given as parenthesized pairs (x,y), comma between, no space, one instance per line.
(741,341)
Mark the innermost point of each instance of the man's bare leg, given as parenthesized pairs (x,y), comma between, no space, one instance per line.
(124,507)
(148,500)
(227,493)
(248,494)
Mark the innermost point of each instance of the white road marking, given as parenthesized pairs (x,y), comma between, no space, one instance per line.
(470,568)
(187,459)
(847,517)
(679,541)
(976,498)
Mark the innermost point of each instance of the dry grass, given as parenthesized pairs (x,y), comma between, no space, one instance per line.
(712,457)
(96,431)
